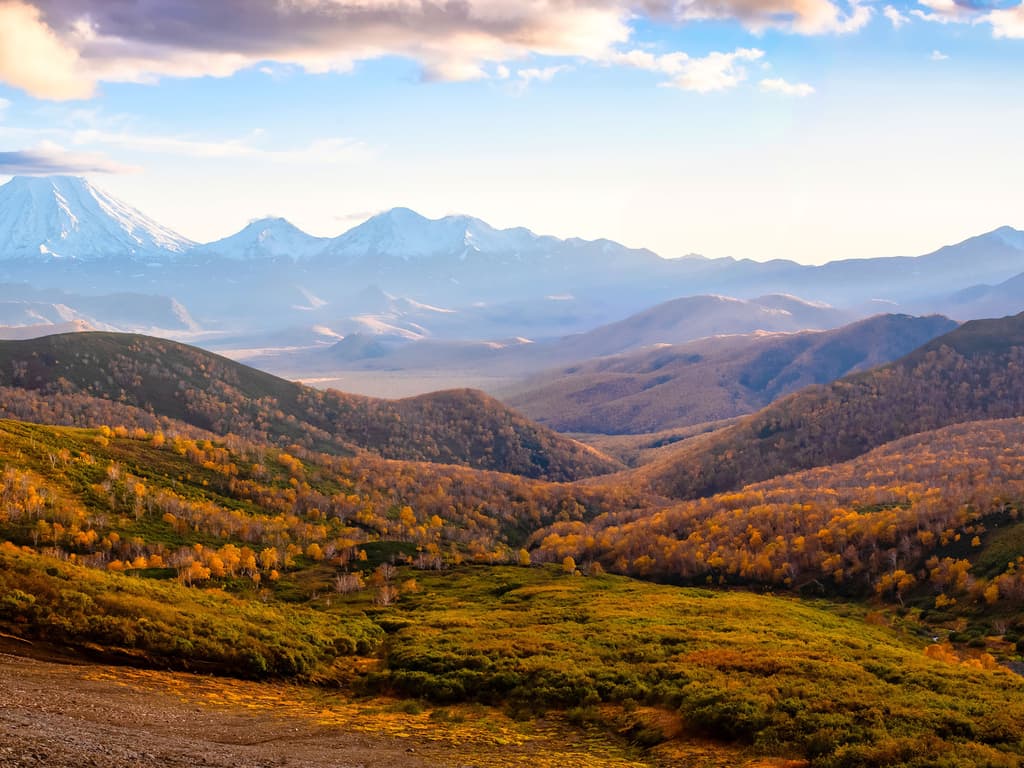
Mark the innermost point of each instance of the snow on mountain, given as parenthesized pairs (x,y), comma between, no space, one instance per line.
(267,238)
(405,234)
(67,217)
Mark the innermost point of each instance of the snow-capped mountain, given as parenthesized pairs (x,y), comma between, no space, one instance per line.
(68,218)
(407,235)
(266,238)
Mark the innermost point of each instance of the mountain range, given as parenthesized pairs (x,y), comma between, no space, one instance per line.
(403,279)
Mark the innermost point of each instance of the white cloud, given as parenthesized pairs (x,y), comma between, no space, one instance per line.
(543,74)
(938,55)
(1007,23)
(49,158)
(714,72)
(778,85)
(946,12)
(4,106)
(60,49)
(327,150)
(34,59)
(894,16)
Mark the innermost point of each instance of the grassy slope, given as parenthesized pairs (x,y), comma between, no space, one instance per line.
(803,679)
(213,393)
(975,372)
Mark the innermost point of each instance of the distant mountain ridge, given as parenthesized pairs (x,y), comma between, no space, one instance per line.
(267,238)
(713,378)
(64,233)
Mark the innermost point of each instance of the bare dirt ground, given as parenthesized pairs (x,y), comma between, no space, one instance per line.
(59,715)
(66,713)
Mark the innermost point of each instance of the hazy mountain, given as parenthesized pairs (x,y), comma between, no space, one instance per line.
(63,233)
(972,373)
(981,301)
(713,378)
(22,305)
(65,217)
(404,234)
(673,322)
(991,257)
(269,238)
(694,317)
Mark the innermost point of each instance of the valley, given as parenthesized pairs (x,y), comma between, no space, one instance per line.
(644,523)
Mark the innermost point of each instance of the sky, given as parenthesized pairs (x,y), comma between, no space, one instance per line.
(803,129)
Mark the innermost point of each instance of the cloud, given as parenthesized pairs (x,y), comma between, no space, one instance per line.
(59,49)
(1008,22)
(543,74)
(938,55)
(714,72)
(322,151)
(530,74)
(4,106)
(48,158)
(778,85)
(894,16)
(808,17)
(33,58)
(948,12)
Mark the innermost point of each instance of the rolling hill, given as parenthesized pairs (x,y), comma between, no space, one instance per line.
(974,372)
(253,563)
(711,379)
(224,397)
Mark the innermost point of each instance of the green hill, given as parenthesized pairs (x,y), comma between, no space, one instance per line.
(209,392)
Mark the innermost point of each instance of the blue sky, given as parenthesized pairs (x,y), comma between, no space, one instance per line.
(759,129)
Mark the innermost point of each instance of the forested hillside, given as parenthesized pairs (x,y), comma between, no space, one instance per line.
(720,377)
(170,380)
(917,513)
(975,372)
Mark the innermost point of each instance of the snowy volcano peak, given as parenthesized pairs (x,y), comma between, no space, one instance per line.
(67,217)
(271,237)
(401,232)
